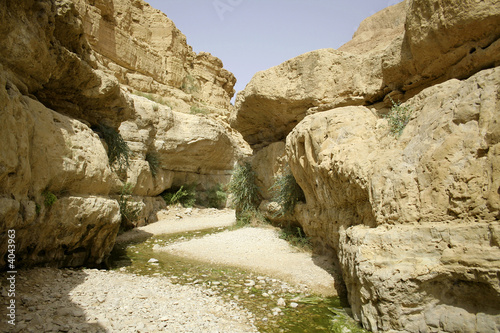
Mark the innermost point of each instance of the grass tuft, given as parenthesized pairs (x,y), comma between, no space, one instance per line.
(186,196)
(154,163)
(286,192)
(118,149)
(246,194)
(398,117)
(49,198)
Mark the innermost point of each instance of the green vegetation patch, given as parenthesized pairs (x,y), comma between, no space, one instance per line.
(49,198)
(197,110)
(118,149)
(246,195)
(154,163)
(398,117)
(286,192)
(186,196)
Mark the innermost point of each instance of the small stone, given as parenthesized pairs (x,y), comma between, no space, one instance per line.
(294,305)
(281,302)
(153,260)
(250,283)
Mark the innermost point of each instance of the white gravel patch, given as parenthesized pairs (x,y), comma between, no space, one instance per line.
(52,300)
(181,220)
(262,251)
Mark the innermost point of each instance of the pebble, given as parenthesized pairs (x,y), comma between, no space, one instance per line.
(111,301)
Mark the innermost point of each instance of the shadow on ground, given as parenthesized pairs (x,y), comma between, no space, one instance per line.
(43,302)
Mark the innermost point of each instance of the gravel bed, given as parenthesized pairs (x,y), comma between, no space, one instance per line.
(54,300)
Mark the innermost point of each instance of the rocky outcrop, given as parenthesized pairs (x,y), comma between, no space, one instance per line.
(418,215)
(411,220)
(399,51)
(45,153)
(191,149)
(44,55)
(141,47)
(442,41)
(70,68)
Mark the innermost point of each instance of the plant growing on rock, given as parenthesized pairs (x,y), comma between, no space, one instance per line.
(197,110)
(118,149)
(129,211)
(49,198)
(154,163)
(398,117)
(245,192)
(216,197)
(185,196)
(296,237)
(286,192)
(189,84)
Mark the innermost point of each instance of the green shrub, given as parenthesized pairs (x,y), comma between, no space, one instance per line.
(129,211)
(246,194)
(296,237)
(153,98)
(216,197)
(154,163)
(185,196)
(398,117)
(198,110)
(189,84)
(118,149)
(49,198)
(286,192)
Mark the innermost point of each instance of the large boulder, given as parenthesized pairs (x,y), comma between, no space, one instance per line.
(44,54)
(410,218)
(44,155)
(443,40)
(277,99)
(190,149)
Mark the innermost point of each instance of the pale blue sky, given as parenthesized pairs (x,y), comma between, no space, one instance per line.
(254,35)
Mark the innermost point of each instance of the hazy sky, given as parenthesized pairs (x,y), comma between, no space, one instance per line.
(253,35)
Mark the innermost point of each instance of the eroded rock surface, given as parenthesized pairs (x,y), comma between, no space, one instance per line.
(416,215)
(412,220)
(70,67)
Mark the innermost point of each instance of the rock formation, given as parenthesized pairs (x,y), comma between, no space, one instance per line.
(68,69)
(413,220)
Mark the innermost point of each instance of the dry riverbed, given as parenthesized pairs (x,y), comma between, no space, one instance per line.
(250,280)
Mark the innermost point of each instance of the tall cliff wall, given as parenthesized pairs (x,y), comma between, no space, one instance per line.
(68,69)
(413,220)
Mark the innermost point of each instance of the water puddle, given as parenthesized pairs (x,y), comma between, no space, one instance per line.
(277,306)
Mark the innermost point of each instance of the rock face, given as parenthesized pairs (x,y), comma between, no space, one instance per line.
(144,51)
(418,215)
(413,221)
(69,67)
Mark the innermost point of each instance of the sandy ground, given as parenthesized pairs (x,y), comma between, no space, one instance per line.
(180,220)
(257,249)
(262,251)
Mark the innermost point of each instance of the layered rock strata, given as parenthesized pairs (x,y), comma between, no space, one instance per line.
(414,221)
(67,68)
(411,220)
(142,48)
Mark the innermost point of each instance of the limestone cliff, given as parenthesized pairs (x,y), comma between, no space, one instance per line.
(141,47)
(68,69)
(413,220)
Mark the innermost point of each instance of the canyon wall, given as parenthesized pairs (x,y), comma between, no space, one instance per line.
(72,70)
(412,221)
